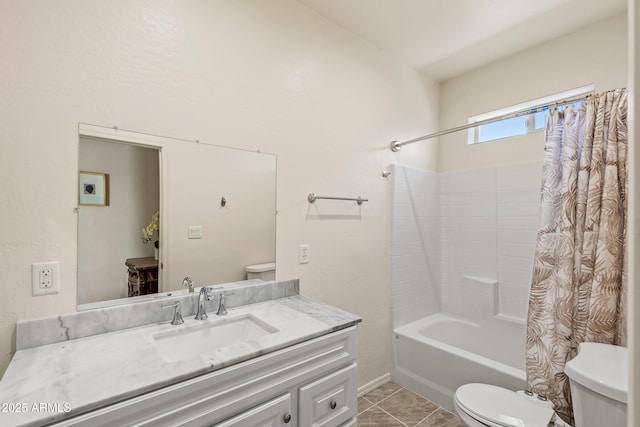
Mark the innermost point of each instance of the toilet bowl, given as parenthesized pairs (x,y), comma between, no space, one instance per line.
(598,381)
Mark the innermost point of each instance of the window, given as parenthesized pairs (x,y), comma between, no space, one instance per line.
(520,124)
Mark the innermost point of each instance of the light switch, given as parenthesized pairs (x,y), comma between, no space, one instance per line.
(195,232)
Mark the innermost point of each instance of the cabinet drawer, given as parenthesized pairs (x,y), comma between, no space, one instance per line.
(274,413)
(329,401)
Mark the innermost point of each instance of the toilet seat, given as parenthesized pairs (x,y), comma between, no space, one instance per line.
(499,407)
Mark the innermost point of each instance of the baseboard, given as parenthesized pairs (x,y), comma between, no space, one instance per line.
(372,385)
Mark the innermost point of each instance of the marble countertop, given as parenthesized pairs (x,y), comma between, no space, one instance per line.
(52,382)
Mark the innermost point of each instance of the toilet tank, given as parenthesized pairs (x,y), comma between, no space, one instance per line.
(266,271)
(598,381)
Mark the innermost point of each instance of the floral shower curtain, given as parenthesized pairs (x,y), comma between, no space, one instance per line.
(578,290)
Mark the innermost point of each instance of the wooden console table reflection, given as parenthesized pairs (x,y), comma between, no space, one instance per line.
(143,276)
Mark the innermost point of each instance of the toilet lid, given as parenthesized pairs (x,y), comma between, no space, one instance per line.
(501,407)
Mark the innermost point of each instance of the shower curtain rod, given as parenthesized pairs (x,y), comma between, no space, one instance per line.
(395,145)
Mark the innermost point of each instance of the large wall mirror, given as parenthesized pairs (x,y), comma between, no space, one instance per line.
(208,211)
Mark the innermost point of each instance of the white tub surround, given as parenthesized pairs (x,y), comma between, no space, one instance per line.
(462,245)
(84,374)
(463,242)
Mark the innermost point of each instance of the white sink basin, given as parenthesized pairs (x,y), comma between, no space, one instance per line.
(189,341)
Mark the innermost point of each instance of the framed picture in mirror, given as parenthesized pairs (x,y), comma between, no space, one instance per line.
(92,189)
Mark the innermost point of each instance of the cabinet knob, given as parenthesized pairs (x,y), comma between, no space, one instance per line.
(333,404)
(287,418)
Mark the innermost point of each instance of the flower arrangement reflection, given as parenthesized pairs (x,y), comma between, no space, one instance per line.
(154,226)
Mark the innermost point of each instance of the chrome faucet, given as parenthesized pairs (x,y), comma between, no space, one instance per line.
(222,310)
(187,282)
(206,294)
(177,313)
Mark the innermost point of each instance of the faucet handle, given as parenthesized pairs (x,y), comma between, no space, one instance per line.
(187,282)
(177,313)
(222,310)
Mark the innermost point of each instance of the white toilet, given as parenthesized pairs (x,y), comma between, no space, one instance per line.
(598,381)
(266,271)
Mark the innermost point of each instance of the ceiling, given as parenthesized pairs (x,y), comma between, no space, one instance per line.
(445,38)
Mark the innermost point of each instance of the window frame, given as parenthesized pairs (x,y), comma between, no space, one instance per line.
(535,105)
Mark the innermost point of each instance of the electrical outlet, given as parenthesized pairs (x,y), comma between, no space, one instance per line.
(45,278)
(303,254)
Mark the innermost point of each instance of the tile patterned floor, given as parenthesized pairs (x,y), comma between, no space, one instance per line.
(393,406)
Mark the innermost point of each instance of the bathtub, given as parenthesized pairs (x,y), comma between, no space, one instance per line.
(435,355)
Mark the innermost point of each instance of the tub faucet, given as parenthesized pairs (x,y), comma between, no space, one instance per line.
(187,282)
(206,294)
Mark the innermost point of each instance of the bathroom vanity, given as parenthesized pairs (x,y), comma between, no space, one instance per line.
(277,358)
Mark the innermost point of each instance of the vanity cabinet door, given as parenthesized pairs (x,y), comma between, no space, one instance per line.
(274,413)
(329,401)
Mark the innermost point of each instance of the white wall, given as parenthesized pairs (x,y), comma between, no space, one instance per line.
(269,75)
(108,235)
(595,55)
